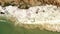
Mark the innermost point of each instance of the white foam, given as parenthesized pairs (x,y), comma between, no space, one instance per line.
(46,14)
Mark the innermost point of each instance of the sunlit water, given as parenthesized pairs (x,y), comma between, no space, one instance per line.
(7,27)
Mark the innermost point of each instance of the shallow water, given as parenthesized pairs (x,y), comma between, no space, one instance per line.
(7,27)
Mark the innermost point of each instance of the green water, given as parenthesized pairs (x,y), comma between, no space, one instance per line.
(7,27)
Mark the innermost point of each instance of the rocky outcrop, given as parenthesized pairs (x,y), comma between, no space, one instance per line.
(28,3)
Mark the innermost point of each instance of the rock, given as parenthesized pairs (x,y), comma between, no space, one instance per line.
(25,4)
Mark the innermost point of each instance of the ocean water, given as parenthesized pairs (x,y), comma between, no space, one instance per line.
(7,27)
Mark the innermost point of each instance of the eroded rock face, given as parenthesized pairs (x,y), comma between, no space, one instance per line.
(28,3)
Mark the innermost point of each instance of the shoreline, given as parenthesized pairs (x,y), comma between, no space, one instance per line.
(20,14)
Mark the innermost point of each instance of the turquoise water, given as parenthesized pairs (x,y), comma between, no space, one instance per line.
(7,27)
